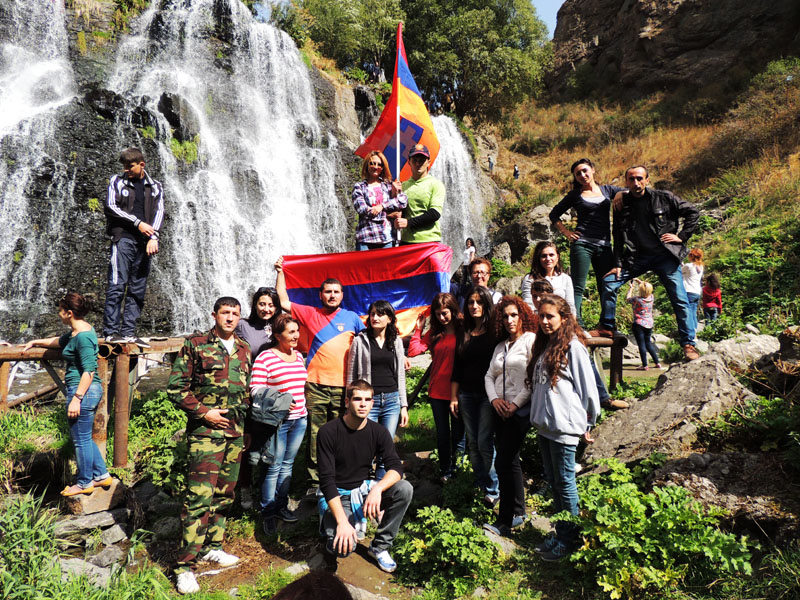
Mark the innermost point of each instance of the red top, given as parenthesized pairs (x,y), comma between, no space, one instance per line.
(712,298)
(443,355)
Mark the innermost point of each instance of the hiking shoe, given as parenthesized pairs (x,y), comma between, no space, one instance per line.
(615,404)
(287,516)
(558,552)
(491,501)
(601,332)
(269,526)
(139,342)
(246,498)
(222,558)
(547,545)
(104,482)
(690,352)
(187,583)
(384,559)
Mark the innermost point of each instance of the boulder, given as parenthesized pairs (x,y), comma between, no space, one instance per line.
(504,544)
(98,576)
(108,556)
(112,535)
(526,231)
(745,349)
(98,501)
(502,252)
(509,285)
(180,115)
(166,528)
(76,526)
(666,419)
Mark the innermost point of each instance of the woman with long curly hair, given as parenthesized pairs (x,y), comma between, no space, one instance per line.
(441,339)
(564,406)
(510,398)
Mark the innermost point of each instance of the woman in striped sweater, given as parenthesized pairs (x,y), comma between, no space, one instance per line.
(282,366)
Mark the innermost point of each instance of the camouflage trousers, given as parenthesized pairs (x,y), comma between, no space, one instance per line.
(213,472)
(324,403)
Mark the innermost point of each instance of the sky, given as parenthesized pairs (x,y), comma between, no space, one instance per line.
(547,10)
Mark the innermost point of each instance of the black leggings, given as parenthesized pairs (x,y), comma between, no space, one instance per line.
(644,340)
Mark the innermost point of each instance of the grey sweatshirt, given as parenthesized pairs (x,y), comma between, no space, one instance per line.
(565,412)
(360,367)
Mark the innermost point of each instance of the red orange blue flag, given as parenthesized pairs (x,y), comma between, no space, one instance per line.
(404,121)
(408,277)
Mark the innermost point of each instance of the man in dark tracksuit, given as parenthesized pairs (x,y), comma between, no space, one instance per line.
(648,236)
(210,381)
(134,210)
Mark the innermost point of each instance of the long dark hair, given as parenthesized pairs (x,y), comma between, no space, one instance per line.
(448,301)
(555,347)
(485,321)
(581,161)
(253,317)
(76,303)
(526,317)
(536,262)
(712,281)
(383,308)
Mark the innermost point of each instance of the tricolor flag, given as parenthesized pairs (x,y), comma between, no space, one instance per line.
(408,277)
(404,121)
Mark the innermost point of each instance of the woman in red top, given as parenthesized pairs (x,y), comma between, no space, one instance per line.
(441,339)
(712,298)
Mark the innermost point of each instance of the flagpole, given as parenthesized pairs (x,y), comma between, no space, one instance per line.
(397,111)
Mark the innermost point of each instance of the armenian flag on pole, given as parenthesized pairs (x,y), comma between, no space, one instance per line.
(408,277)
(404,121)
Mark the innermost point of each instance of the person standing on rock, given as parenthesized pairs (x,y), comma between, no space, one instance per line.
(419,221)
(210,381)
(648,237)
(330,330)
(134,210)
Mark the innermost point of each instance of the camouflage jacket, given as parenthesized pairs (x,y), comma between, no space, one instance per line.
(204,376)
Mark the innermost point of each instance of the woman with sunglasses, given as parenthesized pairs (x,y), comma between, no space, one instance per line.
(373,198)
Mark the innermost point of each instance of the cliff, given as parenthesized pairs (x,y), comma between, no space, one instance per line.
(648,45)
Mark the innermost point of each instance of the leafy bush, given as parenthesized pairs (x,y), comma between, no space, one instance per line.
(500,269)
(671,353)
(24,431)
(637,389)
(725,327)
(438,551)
(639,542)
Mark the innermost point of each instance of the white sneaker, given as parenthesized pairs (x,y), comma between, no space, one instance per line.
(222,558)
(187,584)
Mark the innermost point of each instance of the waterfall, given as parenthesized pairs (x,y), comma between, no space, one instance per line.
(262,183)
(35,79)
(463,211)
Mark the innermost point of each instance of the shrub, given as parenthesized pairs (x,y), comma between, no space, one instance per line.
(639,543)
(725,327)
(438,551)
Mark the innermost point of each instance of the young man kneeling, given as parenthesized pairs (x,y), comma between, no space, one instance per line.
(346,449)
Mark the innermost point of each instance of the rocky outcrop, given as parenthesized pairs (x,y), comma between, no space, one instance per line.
(655,44)
(525,231)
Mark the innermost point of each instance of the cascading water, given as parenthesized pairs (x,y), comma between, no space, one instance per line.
(463,211)
(35,80)
(263,180)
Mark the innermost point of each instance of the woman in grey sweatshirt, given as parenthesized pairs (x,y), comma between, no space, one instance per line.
(564,406)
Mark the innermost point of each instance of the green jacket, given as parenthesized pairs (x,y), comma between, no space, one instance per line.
(204,376)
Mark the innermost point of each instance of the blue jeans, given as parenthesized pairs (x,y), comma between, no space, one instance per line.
(558,463)
(372,245)
(711,314)
(275,487)
(91,465)
(668,269)
(478,417)
(644,340)
(694,300)
(386,411)
(449,435)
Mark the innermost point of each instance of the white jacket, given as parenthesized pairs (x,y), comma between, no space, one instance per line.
(508,370)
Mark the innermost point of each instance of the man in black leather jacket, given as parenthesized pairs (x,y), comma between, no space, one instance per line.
(648,237)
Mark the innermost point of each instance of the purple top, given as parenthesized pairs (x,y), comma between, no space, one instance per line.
(375,229)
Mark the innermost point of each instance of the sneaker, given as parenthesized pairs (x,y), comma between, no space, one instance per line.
(657,366)
(578,467)
(558,552)
(222,558)
(547,545)
(543,489)
(498,528)
(491,501)
(116,338)
(269,526)
(287,516)
(187,584)
(445,478)
(690,352)
(312,492)
(518,521)
(139,342)
(384,559)
(643,368)
(246,498)
(104,482)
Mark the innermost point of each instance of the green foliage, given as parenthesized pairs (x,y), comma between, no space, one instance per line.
(293,19)
(152,432)
(500,269)
(269,583)
(24,431)
(665,323)
(671,353)
(356,74)
(82,48)
(17,258)
(460,495)
(640,543)
(93,204)
(438,551)
(148,132)
(637,389)
(184,151)
(725,327)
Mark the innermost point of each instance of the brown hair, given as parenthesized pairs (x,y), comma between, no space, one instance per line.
(526,316)
(536,261)
(76,303)
(480,261)
(554,348)
(448,301)
(130,156)
(387,174)
(361,385)
(279,325)
(581,161)
(696,256)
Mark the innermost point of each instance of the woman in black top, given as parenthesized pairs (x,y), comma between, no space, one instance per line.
(591,240)
(471,363)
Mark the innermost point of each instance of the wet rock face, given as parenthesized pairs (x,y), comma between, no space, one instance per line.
(652,44)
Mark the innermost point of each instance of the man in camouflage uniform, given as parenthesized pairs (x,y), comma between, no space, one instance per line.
(210,380)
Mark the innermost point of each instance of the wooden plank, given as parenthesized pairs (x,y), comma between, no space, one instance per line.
(121,409)
(5,369)
(55,377)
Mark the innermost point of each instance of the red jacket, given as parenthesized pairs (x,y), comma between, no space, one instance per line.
(712,298)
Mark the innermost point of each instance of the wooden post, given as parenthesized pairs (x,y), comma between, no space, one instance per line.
(121,409)
(5,369)
(616,363)
(100,427)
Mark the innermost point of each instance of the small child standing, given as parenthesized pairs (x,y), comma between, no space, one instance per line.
(712,298)
(564,406)
(643,320)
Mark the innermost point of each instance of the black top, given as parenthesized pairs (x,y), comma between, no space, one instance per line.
(382,367)
(594,220)
(130,230)
(344,455)
(472,363)
(646,241)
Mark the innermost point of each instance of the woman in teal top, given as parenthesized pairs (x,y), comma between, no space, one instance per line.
(79,349)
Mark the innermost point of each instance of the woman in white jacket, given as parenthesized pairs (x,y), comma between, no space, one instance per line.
(564,405)
(510,398)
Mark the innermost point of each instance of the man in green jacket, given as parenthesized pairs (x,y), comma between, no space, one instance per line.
(420,220)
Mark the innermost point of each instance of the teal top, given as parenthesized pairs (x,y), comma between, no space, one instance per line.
(80,354)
